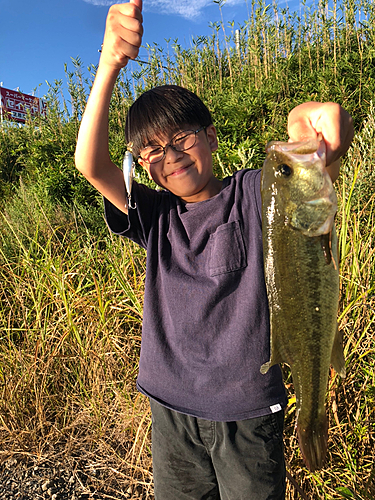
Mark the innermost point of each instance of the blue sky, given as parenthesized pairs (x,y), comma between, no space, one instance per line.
(38,36)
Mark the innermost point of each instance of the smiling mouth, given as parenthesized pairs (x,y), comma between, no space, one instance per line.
(179,171)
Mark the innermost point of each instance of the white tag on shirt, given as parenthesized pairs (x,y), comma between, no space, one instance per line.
(275,408)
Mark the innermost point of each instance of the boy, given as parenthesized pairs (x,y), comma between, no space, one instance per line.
(217,422)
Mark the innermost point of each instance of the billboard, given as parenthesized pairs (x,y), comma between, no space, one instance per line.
(15,105)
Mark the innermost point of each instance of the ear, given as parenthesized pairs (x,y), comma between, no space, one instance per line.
(212,137)
(146,166)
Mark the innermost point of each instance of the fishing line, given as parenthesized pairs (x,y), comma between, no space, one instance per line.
(147,62)
(138,60)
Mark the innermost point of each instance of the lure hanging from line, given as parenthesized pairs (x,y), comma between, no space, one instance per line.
(128,169)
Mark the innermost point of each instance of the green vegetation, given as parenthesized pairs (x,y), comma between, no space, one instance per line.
(71,294)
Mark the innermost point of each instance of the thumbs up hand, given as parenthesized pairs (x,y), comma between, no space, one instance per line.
(123,34)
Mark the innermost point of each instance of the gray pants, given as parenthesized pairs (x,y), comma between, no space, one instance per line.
(196,459)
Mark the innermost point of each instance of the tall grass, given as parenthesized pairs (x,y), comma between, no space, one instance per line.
(71,295)
(70,335)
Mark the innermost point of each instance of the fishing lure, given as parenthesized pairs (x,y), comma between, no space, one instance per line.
(128,169)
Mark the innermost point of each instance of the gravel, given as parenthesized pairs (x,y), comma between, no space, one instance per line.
(26,478)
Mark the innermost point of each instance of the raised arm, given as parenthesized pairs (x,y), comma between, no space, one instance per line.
(122,39)
(329,119)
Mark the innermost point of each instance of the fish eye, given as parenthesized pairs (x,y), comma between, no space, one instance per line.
(284,170)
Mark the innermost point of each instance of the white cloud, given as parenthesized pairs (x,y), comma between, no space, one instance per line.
(102,3)
(184,8)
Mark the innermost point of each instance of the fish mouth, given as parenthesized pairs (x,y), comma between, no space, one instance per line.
(309,146)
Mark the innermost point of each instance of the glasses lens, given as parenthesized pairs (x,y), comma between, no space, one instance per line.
(180,142)
(183,140)
(152,154)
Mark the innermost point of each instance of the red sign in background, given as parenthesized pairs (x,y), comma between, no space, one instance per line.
(15,105)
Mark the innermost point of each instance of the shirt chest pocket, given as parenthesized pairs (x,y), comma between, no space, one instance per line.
(227,249)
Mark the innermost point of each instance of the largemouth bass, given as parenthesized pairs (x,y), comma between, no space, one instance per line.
(302,278)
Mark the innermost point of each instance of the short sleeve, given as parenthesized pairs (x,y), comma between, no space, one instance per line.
(137,224)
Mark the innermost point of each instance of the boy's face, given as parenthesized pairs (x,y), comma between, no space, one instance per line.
(187,174)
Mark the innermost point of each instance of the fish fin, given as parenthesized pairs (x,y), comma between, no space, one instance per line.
(276,358)
(313,442)
(265,367)
(325,242)
(337,355)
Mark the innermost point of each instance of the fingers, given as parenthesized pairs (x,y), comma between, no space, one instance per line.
(138,3)
(123,34)
(329,119)
(336,127)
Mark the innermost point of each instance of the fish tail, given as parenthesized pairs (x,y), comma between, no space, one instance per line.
(313,441)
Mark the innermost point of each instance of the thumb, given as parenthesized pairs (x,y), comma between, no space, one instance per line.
(138,3)
(301,130)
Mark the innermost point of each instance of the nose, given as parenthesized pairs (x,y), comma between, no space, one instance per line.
(171,154)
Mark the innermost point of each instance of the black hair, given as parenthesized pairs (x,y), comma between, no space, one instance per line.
(162,111)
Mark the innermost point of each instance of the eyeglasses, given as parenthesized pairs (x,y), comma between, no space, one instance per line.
(180,142)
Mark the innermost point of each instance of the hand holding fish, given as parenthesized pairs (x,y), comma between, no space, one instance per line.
(329,119)
(123,34)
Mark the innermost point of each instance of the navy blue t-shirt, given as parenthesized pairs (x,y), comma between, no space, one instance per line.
(206,320)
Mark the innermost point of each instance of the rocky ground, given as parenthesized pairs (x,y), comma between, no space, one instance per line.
(26,478)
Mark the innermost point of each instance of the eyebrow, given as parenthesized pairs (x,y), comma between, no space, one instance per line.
(181,128)
(153,142)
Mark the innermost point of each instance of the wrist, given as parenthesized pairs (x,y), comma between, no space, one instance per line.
(109,70)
